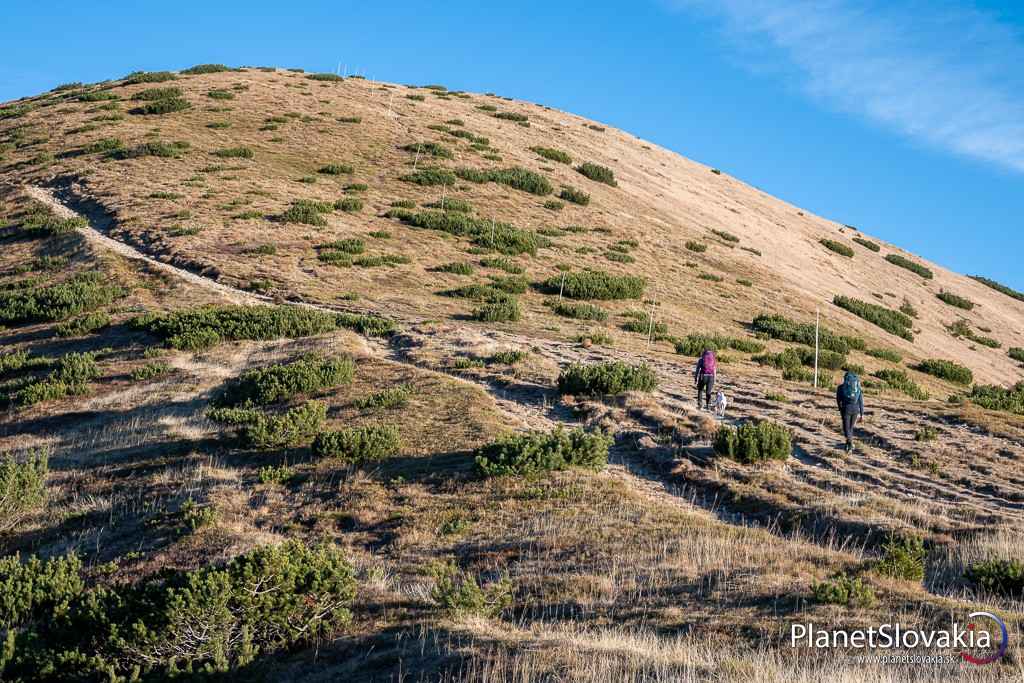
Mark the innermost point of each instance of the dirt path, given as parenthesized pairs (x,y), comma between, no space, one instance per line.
(958,483)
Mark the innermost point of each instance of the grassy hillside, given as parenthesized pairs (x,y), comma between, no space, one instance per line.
(420,359)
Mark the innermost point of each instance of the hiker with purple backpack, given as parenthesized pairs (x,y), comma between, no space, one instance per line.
(704,377)
(850,399)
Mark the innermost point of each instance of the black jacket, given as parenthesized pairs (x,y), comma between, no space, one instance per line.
(841,400)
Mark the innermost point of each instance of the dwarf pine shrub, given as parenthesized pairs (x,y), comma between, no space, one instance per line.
(947,370)
(1000,577)
(571,194)
(433,149)
(378,260)
(535,452)
(167,150)
(837,247)
(595,284)
(306,211)
(1016,353)
(280,382)
(200,328)
(83,324)
(485,233)
(999,398)
(235,153)
(597,173)
(389,398)
(845,590)
(456,268)
(912,266)
(460,595)
(80,293)
(163,106)
(903,558)
(698,247)
(955,300)
(22,488)
(552,154)
(430,176)
(885,354)
(898,380)
(327,77)
(150,371)
(293,428)
(754,442)
(867,244)
(515,177)
(891,321)
(695,344)
(496,312)
(105,146)
(154,94)
(358,444)
(999,287)
(579,310)
(502,263)
(602,379)
(349,204)
(205,69)
(269,599)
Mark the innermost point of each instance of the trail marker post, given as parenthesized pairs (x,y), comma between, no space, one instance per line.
(817,323)
(562,287)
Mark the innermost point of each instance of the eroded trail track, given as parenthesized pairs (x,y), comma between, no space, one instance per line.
(964,480)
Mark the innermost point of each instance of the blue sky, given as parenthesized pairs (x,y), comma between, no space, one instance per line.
(904,118)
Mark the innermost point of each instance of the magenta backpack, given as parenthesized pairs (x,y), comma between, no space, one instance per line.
(710,364)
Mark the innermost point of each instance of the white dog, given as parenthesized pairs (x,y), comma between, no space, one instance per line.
(721,402)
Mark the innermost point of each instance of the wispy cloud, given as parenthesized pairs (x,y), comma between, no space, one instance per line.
(940,72)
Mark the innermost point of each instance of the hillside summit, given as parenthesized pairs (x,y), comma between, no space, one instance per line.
(420,360)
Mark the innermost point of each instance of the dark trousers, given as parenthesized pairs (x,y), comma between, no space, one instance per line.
(705,384)
(850,417)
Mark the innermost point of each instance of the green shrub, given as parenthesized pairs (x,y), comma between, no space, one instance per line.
(167,150)
(336,169)
(269,599)
(955,300)
(98,96)
(502,263)
(535,452)
(891,321)
(328,77)
(947,370)
(903,558)
(698,247)
(754,442)
(293,428)
(404,204)
(511,116)
(1008,291)
(162,106)
(961,328)
(456,268)
(105,146)
(844,590)
(200,328)
(150,371)
(579,310)
(912,266)
(416,98)
(359,444)
(349,204)
(619,257)
(999,398)
(837,247)
(885,354)
(78,294)
(609,378)
(897,379)
(234,153)
(307,212)
(774,396)
(501,311)
(1001,577)
(154,94)
(378,260)
(554,205)
(500,236)
(83,324)
(694,344)
(508,356)
(926,433)
(598,173)
(205,69)
(515,177)
(571,194)
(392,397)
(552,154)
(434,149)
(711,277)
(907,308)
(457,205)
(280,382)
(431,176)
(867,244)
(1016,353)
(726,236)
(459,594)
(596,284)
(22,491)
(270,474)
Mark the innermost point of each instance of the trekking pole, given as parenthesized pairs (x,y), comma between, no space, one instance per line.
(650,325)
(492,233)
(817,323)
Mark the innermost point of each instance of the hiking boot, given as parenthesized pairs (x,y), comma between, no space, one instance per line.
(849,447)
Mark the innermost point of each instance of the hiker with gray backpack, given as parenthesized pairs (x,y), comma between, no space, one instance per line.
(850,399)
(704,377)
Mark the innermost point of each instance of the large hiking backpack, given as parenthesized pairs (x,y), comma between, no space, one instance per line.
(709,361)
(851,388)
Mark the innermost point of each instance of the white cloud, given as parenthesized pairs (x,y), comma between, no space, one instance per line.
(944,73)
